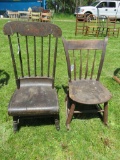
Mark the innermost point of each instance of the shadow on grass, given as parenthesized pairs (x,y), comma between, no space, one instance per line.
(4,78)
(86,112)
(117,71)
(116,75)
(58,88)
(35,121)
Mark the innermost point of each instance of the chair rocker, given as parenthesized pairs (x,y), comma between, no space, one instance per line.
(33,48)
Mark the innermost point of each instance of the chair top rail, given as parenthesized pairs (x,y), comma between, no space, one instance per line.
(33,29)
(85,44)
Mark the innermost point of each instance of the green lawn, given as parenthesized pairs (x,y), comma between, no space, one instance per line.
(88,138)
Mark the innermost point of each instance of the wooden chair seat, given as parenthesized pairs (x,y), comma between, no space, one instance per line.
(88,92)
(34,99)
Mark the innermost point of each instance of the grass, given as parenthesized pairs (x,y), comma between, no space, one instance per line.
(88,138)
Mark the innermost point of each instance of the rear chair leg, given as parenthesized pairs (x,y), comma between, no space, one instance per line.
(57,122)
(15,124)
(105,113)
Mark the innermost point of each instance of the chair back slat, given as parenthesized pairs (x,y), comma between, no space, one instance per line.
(80,73)
(33,50)
(41,56)
(93,65)
(20,58)
(74,66)
(49,56)
(101,63)
(55,56)
(27,51)
(13,61)
(87,57)
(35,73)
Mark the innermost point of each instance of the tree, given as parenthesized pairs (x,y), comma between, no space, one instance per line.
(66,6)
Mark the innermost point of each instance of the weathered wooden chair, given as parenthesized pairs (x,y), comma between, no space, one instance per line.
(102,25)
(92,27)
(33,47)
(46,17)
(112,30)
(35,16)
(12,15)
(85,92)
(52,15)
(80,24)
(24,15)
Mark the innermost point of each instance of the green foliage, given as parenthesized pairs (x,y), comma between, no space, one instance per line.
(66,6)
(88,138)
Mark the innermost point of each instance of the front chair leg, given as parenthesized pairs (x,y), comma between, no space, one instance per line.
(15,124)
(105,113)
(70,115)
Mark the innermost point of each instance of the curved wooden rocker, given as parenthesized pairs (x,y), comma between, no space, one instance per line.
(116,76)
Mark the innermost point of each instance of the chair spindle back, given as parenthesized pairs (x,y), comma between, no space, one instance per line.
(33,51)
(84,58)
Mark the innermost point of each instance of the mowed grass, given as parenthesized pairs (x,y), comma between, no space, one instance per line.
(88,138)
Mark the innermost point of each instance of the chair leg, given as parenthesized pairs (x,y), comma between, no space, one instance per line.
(57,122)
(15,124)
(70,115)
(105,113)
(76,31)
(67,104)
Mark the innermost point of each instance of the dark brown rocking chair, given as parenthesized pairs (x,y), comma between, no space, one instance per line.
(85,92)
(33,47)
